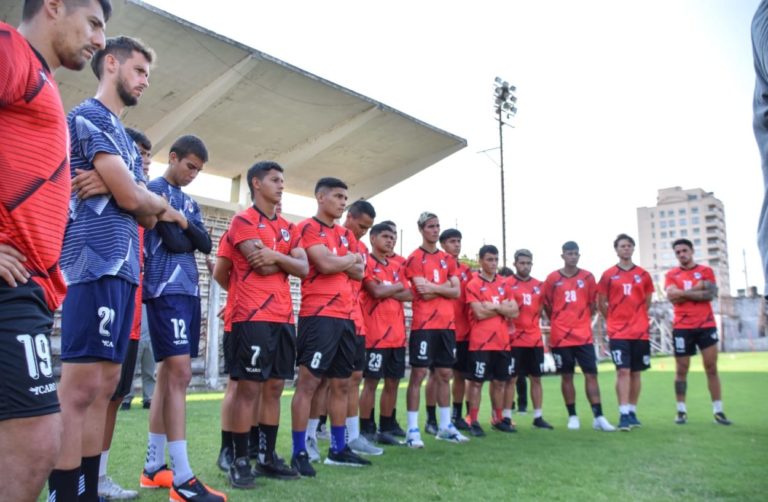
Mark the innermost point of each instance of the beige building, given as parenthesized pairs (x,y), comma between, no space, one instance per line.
(693,214)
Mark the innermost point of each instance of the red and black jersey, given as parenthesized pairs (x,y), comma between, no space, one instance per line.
(357,286)
(260,297)
(460,309)
(328,295)
(384,317)
(529,295)
(397,259)
(491,333)
(627,292)
(691,315)
(226,250)
(570,300)
(34,161)
(437,267)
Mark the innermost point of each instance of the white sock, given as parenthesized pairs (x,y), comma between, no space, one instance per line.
(624,409)
(353,428)
(681,407)
(632,408)
(506,413)
(717,406)
(103,463)
(444,417)
(413,420)
(312,427)
(182,472)
(537,413)
(155,451)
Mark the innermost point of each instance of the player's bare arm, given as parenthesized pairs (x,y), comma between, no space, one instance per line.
(448,289)
(221,271)
(484,310)
(602,305)
(88,184)
(357,271)
(328,263)
(379,290)
(129,195)
(12,268)
(509,309)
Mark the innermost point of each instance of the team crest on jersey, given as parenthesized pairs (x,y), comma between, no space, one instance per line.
(637,279)
(188,206)
(697,275)
(615,277)
(261,225)
(443,264)
(396,276)
(344,241)
(558,284)
(580,283)
(483,288)
(463,276)
(286,235)
(501,290)
(536,290)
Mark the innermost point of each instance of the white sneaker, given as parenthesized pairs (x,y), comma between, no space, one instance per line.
(573,423)
(362,446)
(110,490)
(602,424)
(452,435)
(312,450)
(413,439)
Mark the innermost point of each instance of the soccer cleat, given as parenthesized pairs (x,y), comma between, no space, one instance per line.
(194,490)
(162,477)
(431,427)
(413,439)
(720,419)
(396,430)
(368,431)
(361,446)
(522,410)
(624,423)
(276,468)
(240,474)
(452,435)
(460,424)
(322,433)
(504,425)
(476,430)
(682,418)
(110,490)
(313,450)
(346,457)
(540,423)
(226,457)
(633,421)
(573,423)
(602,424)
(387,438)
(302,464)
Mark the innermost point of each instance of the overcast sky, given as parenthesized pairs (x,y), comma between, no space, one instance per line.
(616,100)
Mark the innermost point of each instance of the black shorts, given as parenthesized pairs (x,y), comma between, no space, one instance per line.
(567,357)
(528,361)
(226,348)
(326,346)
(686,340)
(385,363)
(486,365)
(27,386)
(634,355)
(359,353)
(127,371)
(462,357)
(263,350)
(432,348)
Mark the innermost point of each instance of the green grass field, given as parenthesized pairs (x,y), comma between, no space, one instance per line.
(660,461)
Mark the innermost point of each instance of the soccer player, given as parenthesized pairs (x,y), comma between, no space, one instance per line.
(33,216)
(569,300)
(100,261)
(623,297)
(434,282)
(691,287)
(326,340)
(263,337)
(360,216)
(172,296)
(525,338)
(489,359)
(384,290)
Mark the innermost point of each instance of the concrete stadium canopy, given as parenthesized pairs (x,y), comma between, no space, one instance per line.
(249,106)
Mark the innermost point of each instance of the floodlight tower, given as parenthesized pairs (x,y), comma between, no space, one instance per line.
(505,103)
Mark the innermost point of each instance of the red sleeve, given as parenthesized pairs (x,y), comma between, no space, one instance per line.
(241,230)
(295,241)
(11,76)
(412,268)
(368,273)
(547,292)
(310,236)
(709,275)
(649,288)
(668,281)
(472,293)
(453,270)
(354,245)
(592,289)
(225,247)
(602,286)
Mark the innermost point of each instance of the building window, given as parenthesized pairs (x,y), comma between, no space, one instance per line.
(696,230)
(696,242)
(671,234)
(692,196)
(653,235)
(671,223)
(681,211)
(683,233)
(694,210)
(663,224)
(683,222)
(661,213)
(663,235)
(653,225)
(653,245)
(695,220)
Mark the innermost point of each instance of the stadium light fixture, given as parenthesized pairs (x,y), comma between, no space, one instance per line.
(506,109)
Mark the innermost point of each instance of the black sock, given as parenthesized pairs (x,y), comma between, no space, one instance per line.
(253,438)
(241,444)
(457,410)
(365,424)
(467,403)
(63,485)
(571,409)
(267,442)
(323,420)
(386,423)
(431,416)
(597,409)
(90,471)
(226,439)
(394,415)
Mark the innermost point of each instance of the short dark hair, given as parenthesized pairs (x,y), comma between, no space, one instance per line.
(570,246)
(122,48)
(32,7)
(449,233)
(380,228)
(684,242)
(259,170)
(329,183)
(139,138)
(488,249)
(360,207)
(390,223)
(622,237)
(190,145)
(505,272)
